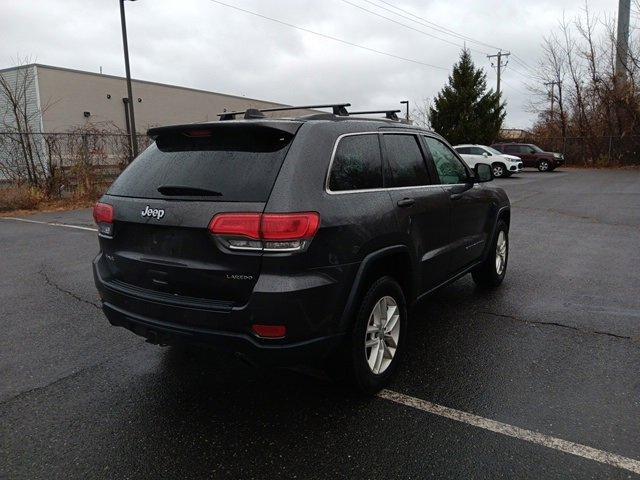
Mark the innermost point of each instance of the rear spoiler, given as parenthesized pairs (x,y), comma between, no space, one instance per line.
(198,129)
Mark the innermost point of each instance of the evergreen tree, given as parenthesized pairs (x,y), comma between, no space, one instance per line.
(464,111)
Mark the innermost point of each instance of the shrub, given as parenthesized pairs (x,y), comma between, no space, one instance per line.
(20,197)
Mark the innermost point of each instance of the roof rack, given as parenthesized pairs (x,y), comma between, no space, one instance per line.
(390,114)
(338,109)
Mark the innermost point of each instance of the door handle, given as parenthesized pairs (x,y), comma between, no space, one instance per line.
(406,202)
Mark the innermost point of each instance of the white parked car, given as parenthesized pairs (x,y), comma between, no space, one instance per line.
(502,165)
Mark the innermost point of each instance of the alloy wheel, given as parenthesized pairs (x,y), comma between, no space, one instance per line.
(383,332)
(498,171)
(501,252)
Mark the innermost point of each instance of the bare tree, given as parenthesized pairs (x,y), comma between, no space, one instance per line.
(420,113)
(23,156)
(598,109)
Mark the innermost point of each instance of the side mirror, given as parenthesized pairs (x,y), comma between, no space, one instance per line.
(485,154)
(483,172)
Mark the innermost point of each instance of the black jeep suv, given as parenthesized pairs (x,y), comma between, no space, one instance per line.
(290,240)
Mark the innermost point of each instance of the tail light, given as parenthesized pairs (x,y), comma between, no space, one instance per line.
(271,232)
(103,214)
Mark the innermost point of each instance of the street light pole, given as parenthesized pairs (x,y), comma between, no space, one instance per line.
(406,103)
(133,138)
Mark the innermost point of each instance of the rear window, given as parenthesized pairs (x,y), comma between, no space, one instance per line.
(223,164)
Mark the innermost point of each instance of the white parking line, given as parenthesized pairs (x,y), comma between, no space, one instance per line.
(516,432)
(52,224)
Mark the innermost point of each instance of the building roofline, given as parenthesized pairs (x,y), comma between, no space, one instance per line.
(147,82)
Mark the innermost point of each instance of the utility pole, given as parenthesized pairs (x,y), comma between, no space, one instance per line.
(125,44)
(553,95)
(622,49)
(499,64)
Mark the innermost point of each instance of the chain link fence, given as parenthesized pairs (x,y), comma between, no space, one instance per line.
(605,151)
(78,163)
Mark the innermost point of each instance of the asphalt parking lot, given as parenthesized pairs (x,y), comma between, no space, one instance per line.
(552,356)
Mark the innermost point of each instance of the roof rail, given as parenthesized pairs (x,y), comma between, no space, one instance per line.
(390,114)
(338,109)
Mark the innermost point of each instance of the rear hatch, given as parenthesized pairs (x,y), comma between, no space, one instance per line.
(164,201)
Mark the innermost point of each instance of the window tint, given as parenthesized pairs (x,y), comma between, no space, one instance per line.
(477,151)
(224,165)
(463,150)
(511,149)
(450,169)
(357,164)
(405,161)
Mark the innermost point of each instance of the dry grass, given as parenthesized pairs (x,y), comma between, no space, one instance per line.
(23,200)
(19,197)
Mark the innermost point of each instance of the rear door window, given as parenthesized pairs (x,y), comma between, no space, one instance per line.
(512,149)
(223,164)
(357,164)
(405,160)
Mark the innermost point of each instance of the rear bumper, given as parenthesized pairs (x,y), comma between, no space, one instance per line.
(309,306)
(172,333)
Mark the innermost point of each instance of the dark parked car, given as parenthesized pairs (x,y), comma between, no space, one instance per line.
(294,240)
(532,155)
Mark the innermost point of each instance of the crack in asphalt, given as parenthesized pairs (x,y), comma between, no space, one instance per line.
(560,325)
(54,285)
(69,375)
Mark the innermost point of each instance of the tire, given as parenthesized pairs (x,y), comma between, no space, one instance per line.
(544,166)
(499,170)
(362,366)
(491,272)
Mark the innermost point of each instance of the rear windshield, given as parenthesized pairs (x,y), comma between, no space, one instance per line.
(227,165)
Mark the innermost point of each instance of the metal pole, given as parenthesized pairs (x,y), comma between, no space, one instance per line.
(499,65)
(134,140)
(622,50)
(406,103)
(499,68)
(125,101)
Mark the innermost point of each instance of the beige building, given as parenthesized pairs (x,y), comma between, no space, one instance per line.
(61,99)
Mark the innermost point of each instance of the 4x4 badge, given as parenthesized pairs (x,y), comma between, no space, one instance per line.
(156,213)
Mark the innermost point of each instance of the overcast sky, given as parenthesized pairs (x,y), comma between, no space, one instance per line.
(202,44)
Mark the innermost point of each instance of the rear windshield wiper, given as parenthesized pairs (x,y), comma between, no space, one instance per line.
(180,190)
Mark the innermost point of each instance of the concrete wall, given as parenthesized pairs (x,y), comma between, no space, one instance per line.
(66,94)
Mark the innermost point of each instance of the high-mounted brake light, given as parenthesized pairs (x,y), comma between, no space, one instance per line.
(284,232)
(103,214)
(198,133)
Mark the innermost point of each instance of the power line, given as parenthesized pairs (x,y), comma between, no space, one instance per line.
(330,37)
(522,63)
(513,87)
(447,31)
(405,25)
(441,28)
